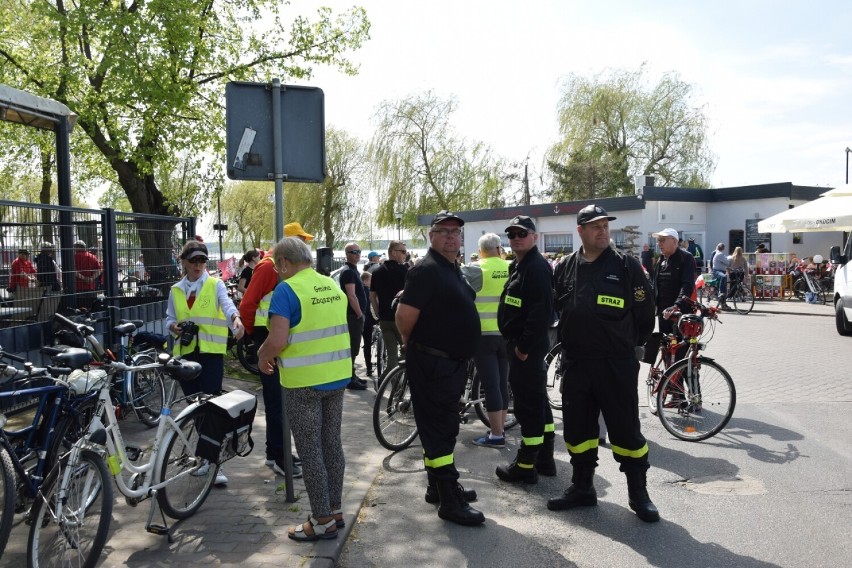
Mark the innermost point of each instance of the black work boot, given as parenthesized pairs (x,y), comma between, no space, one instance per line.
(581,493)
(523,468)
(544,462)
(639,500)
(453,507)
(433,497)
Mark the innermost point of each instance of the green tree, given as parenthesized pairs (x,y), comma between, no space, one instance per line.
(614,126)
(422,166)
(249,214)
(146,78)
(336,209)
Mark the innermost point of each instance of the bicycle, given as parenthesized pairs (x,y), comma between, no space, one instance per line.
(709,292)
(694,397)
(393,413)
(67,495)
(740,294)
(173,473)
(379,355)
(144,393)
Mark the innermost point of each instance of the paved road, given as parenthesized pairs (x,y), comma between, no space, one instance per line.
(772,490)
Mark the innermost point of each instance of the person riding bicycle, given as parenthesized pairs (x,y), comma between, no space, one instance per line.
(721,266)
(606,310)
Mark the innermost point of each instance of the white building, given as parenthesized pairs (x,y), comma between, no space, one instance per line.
(726,215)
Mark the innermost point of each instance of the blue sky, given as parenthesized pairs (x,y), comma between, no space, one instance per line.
(775,78)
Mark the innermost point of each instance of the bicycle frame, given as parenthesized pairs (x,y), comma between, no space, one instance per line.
(117,460)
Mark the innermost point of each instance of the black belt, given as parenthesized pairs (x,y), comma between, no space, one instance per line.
(435,352)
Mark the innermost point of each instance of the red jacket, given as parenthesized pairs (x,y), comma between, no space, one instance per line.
(264,279)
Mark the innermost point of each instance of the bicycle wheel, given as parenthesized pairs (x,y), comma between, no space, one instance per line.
(743,299)
(379,355)
(481,408)
(800,287)
(695,406)
(148,391)
(247,354)
(71,426)
(393,413)
(7,497)
(182,497)
(71,531)
(553,361)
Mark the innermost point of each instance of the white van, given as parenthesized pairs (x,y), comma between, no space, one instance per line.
(843,288)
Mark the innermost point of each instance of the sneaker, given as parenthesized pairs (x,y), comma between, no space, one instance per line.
(296,459)
(203,470)
(355,384)
(278,467)
(220,478)
(488,442)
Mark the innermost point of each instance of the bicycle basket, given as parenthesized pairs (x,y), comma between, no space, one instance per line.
(690,325)
(82,382)
(224,426)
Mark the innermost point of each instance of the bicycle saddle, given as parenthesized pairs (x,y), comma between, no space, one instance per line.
(125,328)
(182,370)
(72,357)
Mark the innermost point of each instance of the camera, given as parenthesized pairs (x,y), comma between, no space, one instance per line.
(188,331)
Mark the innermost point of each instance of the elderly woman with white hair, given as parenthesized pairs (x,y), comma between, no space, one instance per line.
(309,340)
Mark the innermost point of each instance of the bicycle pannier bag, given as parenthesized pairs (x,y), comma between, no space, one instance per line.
(224,426)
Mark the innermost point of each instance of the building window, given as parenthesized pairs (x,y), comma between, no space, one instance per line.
(556,243)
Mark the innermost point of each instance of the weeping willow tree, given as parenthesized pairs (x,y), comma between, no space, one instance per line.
(335,209)
(616,125)
(422,166)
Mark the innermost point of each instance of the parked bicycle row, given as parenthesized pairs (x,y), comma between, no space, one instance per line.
(61,440)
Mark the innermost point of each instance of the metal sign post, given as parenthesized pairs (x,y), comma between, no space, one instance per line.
(282,127)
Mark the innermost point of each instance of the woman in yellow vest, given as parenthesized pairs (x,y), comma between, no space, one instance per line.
(309,340)
(488,277)
(202,300)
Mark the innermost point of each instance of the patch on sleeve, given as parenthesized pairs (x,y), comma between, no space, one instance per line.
(639,294)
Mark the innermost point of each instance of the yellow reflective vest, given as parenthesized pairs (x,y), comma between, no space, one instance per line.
(318,349)
(495,273)
(206,313)
(261,314)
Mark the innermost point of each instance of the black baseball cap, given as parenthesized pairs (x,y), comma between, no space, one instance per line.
(521,222)
(591,213)
(444,215)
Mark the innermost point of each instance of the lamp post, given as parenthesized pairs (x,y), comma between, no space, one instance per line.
(398,216)
(848,149)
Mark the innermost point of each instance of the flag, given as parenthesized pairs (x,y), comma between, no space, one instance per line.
(228,268)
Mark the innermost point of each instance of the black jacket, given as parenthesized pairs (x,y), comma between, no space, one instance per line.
(526,305)
(606,306)
(673,278)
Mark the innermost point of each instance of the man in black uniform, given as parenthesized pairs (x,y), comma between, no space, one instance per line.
(607,310)
(523,316)
(673,276)
(440,329)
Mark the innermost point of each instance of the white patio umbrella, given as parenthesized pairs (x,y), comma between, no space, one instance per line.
(831,212)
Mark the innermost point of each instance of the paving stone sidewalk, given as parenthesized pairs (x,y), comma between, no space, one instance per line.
(244,524)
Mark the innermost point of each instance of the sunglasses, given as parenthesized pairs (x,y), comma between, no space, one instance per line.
(198,260)
(522,234)
(356,251)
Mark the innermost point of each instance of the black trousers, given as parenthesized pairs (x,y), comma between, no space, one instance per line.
(528,380)
(606,386)
(356,328)
(436,386)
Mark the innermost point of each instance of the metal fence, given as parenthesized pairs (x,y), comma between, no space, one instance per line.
(112,264)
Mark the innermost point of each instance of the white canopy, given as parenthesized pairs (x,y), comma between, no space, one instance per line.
(831,212)
(27,108)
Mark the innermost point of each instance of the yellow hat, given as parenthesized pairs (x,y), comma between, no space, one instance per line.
(294,229)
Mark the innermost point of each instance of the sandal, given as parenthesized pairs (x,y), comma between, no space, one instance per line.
(338,518)
(321,531)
